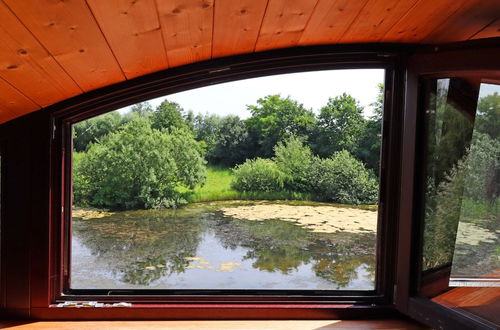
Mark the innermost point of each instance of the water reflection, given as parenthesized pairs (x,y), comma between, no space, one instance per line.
(199,247)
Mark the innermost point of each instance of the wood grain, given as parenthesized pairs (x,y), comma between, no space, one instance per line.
(375,19)
(484,302)
(28,66)
(471,18)
(277,325)
(330,20)
(51,50)
(284,22)
(133,31)
(422,19)
(187,29)
(492,30)
(13,103)
(69,32)
(236,26)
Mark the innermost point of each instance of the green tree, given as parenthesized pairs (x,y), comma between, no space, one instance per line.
(258,175)
(206,128)
(167,115)
(138,110)
(273,119)
(368,148)
(139,167)
(488,115)
(340,125)
(343,179)
(91,130)
(232,142)
(294,160)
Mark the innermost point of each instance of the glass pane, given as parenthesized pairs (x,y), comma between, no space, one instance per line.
(266,183)
(461,246)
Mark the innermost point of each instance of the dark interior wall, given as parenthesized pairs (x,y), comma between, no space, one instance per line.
(25,218)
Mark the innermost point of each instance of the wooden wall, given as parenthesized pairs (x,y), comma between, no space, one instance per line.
(51,50)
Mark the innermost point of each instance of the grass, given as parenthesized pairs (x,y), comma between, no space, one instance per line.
(218,188)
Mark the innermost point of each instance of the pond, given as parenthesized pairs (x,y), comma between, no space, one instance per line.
(226,245)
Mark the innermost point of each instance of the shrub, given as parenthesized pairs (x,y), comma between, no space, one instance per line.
(258,175)
(342,179)
(294,160)
(138,167)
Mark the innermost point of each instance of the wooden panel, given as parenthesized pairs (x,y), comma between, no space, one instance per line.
(13,103)
(187,29)
(236,26)
(330,20)
(28,66)
(466,22)
(278,325)
(133,30)
(69,32)
(490,31)
(422,20)
(484,302)
(375,19)
(284,23)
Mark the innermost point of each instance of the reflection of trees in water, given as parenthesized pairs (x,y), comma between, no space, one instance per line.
(142,248)
(283,246)
(139,246)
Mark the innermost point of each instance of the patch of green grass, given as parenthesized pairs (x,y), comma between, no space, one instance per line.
(218,188)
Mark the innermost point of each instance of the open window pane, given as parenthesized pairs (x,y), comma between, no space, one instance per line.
(261,184)
(461,250)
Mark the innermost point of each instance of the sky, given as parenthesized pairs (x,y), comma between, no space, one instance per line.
(309,88)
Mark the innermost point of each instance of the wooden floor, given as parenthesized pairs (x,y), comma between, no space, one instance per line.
(278,325)
(483,302)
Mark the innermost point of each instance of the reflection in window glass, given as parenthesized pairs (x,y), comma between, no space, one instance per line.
(267,183)
(462,219)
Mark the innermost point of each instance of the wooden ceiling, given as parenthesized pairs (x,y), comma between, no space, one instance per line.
(51,50)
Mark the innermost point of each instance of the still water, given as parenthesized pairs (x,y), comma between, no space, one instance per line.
(199,247)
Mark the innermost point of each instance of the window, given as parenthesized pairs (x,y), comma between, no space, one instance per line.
(268,184)
(461,247)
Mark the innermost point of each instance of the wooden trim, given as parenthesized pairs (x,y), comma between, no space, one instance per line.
(405,215)
(452,61)
(203,74)
(393,323)
(2,224)
(435,315)
(216,312)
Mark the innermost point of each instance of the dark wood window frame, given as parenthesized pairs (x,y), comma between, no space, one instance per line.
(228,304)
(470,59)
(36,163)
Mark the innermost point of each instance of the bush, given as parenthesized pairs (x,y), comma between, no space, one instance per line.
(258,175)
(294,160)
(138,167)
(342,179)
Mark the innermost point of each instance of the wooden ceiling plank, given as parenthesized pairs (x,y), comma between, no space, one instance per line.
(13,103)
(330,20)
(490,31)
(376,19)
(236,26)
(187,29)
(68,30)
(133,31)
(466,22)
(284,22)
(421,20)
(25,64)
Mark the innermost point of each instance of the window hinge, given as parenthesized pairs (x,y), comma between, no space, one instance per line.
(53,131)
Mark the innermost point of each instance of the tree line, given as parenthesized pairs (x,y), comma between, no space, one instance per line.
(137,160)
